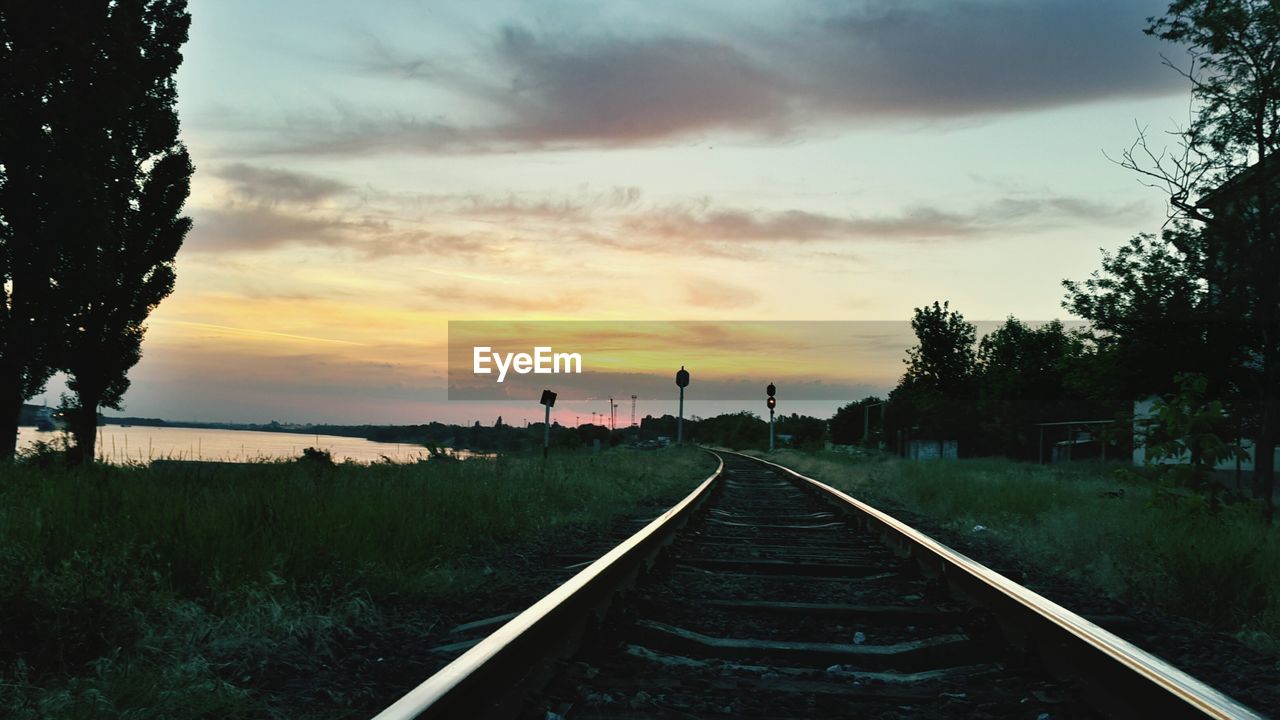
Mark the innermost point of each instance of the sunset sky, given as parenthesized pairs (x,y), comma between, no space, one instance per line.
(367,172)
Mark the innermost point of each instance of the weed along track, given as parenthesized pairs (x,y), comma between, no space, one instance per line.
(766,594)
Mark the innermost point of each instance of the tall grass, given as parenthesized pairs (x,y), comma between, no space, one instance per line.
(1167,550)
(147,592)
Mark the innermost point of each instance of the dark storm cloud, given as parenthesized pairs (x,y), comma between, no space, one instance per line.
(874,62)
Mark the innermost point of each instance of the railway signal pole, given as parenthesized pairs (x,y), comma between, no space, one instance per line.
(682,381)
(548,399)
(771,402)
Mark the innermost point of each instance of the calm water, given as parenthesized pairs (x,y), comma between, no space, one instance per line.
(118,444)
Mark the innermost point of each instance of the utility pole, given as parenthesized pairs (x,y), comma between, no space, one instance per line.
(633,411)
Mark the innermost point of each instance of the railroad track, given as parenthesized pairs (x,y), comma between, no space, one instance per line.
(767,594)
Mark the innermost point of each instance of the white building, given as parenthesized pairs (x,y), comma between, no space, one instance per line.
(1143,412)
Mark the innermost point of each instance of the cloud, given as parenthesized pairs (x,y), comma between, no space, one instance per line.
(273,186)
(689,228)
(458,298)
(283,382)
(256,227)
(975,57)
(487,227)
(708,293)
(257,333)
(624,90)
(728,360)
(428,243)
(739,225)
(756,77)
(560,208)
(251,227)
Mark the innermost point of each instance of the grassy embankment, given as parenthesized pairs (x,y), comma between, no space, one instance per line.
(1163,550)
(138,592)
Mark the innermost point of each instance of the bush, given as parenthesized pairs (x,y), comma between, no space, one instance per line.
(317,456)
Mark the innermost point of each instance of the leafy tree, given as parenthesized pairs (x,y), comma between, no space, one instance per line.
(1148,317)
(944,358)
(1225,176)
(935,396)
(738,430)
(39,51)
(806,431)
(1024,378)
(118,265)
(588,434)
(92,180)
(847,423)
(654,427)
(1187,423)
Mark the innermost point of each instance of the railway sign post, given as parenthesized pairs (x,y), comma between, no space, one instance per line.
(866,420)
(548,399)
(771,402)
(682,381)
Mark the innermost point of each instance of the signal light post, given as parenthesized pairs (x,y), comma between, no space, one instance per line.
(682,381)
(548,399)
(771,402)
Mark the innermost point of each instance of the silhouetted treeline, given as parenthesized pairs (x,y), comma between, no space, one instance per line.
(988,394)
(740,430)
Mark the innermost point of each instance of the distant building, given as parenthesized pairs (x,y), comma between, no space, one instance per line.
(41,417)
(1233,205)
(1144,411)
(1239,194)
(933,450)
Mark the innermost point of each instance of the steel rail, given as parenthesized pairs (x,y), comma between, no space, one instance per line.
(1119,678)
(488,680)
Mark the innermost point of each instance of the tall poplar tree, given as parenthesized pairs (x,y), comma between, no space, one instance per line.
(106,183)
